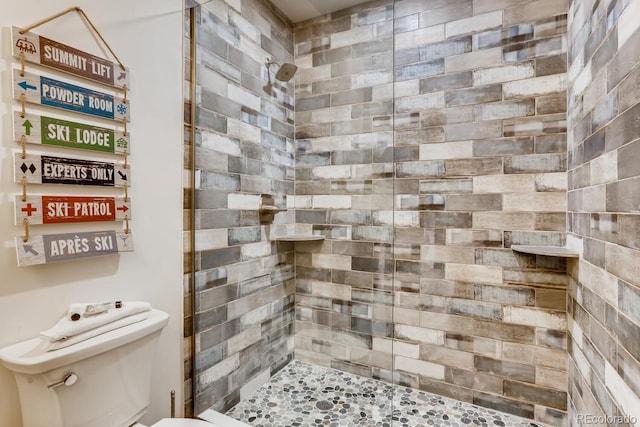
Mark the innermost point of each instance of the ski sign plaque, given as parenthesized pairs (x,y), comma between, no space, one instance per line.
(63,133)
(41,169)
(43,51)
(66,209)
(66,96)
(69,246)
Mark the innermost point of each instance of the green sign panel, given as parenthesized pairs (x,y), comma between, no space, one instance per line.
(63,133)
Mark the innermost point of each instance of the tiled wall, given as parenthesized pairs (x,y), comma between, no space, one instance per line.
(417,273)
(244,303)
(604,201)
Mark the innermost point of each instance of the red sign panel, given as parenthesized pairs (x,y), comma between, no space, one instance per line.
(56,209)
(66,209)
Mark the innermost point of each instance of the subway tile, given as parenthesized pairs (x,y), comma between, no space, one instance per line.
(422,368)
(464,185)
(534,238)
(420,102)
(476,23)
(432,51)
(474,238)
(443,116)
(552,338)
(549,65)
(419,37)
(629,90)
(535,86)
(551,104)
(535,317)
(453,11)
(422,136)
(449,81)
(447,356)
(505,332)
(500,403)
(534,10)
(352,36)
(504,220)
(622,197)
(471,167)
(474,96)
(536,163)
(503,146)
(448,150)
(505,110)
(535,49)
(504,258)
(539,395)
(474,308)
(504,368)
(627,158)
(474,202)
(623,61)
(419,70)
(420,169)
(482,130)
(473,273)
(445,219)
(473,60)
(505,73)
(503,37)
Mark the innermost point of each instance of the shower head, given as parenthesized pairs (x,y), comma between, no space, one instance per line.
(285,72)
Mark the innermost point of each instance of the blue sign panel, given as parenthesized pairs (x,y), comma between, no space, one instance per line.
(75,98)
(54,93)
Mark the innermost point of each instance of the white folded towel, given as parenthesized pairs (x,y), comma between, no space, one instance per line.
(48,345)
(66,327)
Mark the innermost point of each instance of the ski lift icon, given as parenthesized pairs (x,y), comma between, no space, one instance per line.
(26,46)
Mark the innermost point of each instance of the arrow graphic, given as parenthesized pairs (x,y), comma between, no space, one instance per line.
(124,208)
(27,126)
(29,249)
(122,175)
(24,85)
(122,76)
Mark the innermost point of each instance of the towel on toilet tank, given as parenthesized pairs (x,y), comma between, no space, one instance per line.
(66,328)
(49,345)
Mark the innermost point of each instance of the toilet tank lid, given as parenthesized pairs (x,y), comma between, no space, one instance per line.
(28,357)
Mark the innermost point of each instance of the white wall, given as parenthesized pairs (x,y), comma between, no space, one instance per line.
(147,36)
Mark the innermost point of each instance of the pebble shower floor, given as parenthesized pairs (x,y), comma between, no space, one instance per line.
(307,395)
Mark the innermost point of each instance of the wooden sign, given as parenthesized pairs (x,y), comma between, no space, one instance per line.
(54,93)
(65,209)
(40,169)
(63,133)
(69,246)
(40,50)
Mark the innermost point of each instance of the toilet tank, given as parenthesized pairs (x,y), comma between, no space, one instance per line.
(113,377)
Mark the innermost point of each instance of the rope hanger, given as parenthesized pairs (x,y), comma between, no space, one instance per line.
(86,18)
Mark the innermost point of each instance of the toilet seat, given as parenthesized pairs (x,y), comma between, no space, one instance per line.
(182,422)
(179,422)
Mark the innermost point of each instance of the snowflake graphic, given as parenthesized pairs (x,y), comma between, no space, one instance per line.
(122,109)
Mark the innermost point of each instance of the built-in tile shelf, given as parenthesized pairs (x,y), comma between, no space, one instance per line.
(299,238)
(557,251)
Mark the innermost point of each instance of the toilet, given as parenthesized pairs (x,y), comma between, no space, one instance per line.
(100,382)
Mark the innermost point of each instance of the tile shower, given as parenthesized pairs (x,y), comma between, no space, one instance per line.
(421,138)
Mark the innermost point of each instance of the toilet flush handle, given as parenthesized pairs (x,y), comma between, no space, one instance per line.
(68,380)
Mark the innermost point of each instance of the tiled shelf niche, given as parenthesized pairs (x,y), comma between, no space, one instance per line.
(557,251)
